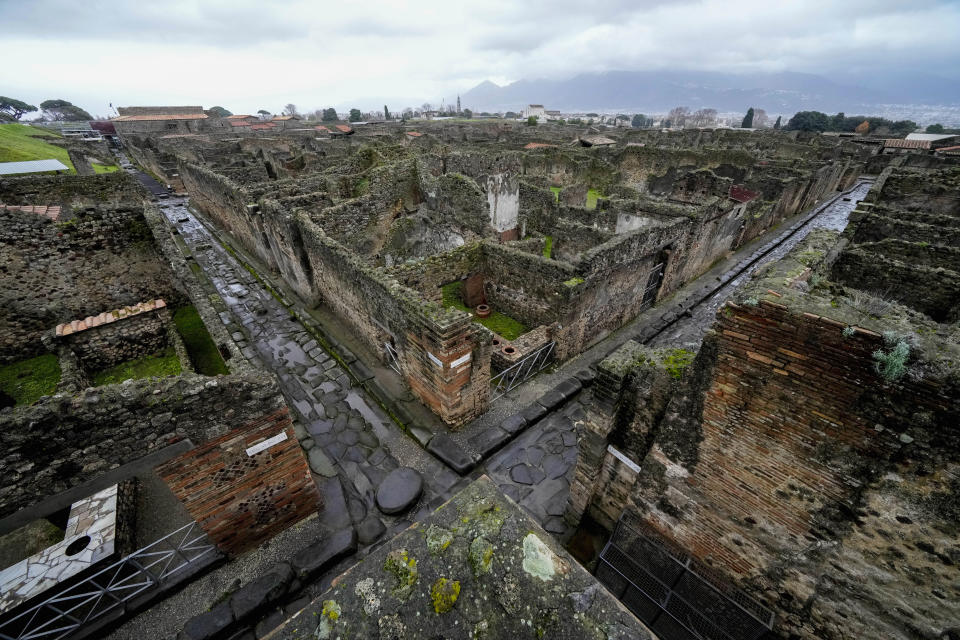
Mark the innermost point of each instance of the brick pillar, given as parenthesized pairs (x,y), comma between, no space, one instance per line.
(246,486)
(592,434)
(447,364)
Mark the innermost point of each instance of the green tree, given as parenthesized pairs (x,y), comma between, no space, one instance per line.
(532,121)
(808,121)
(747,120)
(467,113)
(933,128)
(510,115)
(355,115)
(219,112)
(59,109)
(639,121)
(776,125)
(838,122)
(15,108)
(330,115)
(263,113)
(386,113)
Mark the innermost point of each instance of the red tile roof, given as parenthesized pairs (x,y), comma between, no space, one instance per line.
(239,123)
(741,194)
(162,116)
(286,118)
(51,211)
(322,128)
(954,148)
(238,117)
(344,128)
(897,143)
(265,125)
(414,134)
(107,317)
(538,145)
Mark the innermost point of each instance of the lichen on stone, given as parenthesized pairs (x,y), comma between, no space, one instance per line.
(404,571)
(438,539)
(538,559)
(480,556)
(328,619)
(368,596)
(444,594)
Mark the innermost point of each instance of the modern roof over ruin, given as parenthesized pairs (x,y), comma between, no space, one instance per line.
(931,137)
(478,567)
(161,116)
(897,143)
(31,166)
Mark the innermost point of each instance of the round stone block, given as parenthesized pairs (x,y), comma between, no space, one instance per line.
(399,490)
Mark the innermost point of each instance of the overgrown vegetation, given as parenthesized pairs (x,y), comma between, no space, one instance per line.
(204,355)
(500,323)
(592,196)
(892,362)
(104,168)
(28,380)
(556,193)
(20,142)
(158,365)
(677,360)
(547,247)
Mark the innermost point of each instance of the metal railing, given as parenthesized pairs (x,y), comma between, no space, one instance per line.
(80,604)
(522,370)
(393,358)
(673,594)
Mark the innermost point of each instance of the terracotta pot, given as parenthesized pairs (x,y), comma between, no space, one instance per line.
(482,310)
(509,350)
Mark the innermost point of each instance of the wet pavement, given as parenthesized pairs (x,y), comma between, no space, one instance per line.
(688,332)
(350,444)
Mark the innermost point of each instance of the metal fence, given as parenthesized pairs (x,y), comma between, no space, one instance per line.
(66,613)
(673,594)
(393,360)
(522,370)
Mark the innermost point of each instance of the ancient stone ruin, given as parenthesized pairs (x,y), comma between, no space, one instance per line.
(483,380)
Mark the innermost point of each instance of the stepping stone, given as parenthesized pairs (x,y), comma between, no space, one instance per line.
(450,453)
(399,490)
(370,530)
(320,463)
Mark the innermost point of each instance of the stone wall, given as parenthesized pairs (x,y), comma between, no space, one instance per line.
(786,462)
(82,264)
(64,441)
(242,496)
(103,342)
(72,191)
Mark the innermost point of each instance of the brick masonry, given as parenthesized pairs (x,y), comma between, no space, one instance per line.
(242,500)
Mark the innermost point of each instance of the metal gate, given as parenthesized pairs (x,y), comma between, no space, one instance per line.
(672,593)
(522,370)
(393,358)
(65,614)
(654,279)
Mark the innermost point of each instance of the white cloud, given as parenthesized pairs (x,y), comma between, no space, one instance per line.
(250,55)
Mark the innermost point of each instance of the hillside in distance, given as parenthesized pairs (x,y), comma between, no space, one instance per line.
(659,91)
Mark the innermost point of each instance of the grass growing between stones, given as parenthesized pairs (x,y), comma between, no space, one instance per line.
(204,355)
(20,142)
(548,247)
(104,168)
(500,323)
(26,381)
(556,193)
(158,365)
(592,196)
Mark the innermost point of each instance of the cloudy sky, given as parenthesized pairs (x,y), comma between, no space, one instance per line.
(247,55)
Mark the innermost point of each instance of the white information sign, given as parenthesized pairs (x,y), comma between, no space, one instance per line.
(266,444)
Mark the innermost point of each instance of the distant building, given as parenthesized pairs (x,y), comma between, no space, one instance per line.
(536,110)
(141,120)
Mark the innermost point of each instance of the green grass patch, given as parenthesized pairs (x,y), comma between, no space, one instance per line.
(592,196)
(574,281)
(556,193)
(204,355)
(499,323)
(158,365)
(20,142)
(26,381)
(104,168)
(547,247)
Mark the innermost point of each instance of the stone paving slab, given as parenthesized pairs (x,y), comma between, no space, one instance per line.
(340,423)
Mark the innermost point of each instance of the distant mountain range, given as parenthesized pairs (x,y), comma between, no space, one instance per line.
(659,91)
